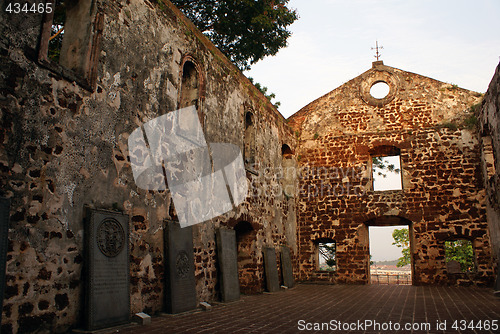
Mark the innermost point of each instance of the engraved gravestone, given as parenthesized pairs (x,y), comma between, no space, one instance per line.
(228,264)
(179,279)
(4,229)
(107,273)
(497,282)
(286,267)
(271,269)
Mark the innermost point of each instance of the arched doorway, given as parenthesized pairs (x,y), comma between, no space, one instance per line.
(247,257)
(390,265)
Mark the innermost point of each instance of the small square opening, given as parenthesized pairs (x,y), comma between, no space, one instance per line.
(386,173)
(327,256)
(459,255)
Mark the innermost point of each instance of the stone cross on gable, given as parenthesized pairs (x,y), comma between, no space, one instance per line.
(377,48)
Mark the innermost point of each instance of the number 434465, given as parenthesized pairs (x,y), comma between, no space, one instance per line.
(17,7)
(486,325)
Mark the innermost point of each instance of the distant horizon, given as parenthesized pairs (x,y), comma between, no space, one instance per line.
(389,263)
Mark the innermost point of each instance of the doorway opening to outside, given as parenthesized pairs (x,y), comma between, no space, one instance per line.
(390,251)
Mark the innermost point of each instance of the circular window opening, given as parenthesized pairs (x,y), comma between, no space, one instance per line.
(379,90)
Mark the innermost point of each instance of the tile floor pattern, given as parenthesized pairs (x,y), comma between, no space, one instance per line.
(280,312)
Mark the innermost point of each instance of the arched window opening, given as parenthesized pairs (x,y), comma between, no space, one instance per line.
(190,86)
(247,266)
(249,150)
(289,170)
(243,229)
(286,152)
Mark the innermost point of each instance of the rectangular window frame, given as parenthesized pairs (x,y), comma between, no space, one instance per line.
(318,246)
(87,79)
(373,170)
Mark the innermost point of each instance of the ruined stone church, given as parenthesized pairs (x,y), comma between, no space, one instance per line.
(83,247)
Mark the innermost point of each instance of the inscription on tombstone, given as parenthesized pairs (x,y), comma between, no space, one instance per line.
(271,270)
(286,267)
(497,282)
(179,279)
(107,275)
(228,264)
(4,231)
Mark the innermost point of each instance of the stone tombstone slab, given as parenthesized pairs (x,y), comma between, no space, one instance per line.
(107,274)
(453,267)
(179,277)
(228,264)
(4,230)
(286,267)
(271,269)
(497,282)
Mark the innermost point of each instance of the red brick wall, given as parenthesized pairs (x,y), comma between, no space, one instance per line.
(442,196)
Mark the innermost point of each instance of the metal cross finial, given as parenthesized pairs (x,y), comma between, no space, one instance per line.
(377,54)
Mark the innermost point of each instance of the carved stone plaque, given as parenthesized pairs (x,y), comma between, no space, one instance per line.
(271,270)
(228,264)
(182,266)
(110,237)
(180,292)
(4,231)
(286,267)
(107,274)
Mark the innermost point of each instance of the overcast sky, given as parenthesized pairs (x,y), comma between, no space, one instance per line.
(381,248)
(455,41)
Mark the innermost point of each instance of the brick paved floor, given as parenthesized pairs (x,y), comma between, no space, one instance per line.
(280,312)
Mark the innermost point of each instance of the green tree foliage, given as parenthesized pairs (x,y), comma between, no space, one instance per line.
(402,239)
(263,90)
(246,31)
(383,165)
(462,252)
(456,250)
(57,30)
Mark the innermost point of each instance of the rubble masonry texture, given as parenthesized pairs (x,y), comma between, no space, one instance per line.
(489,121)
(63,147)
(442,199)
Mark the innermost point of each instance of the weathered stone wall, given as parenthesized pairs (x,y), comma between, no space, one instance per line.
(63,146)
(489,117)
(442,197)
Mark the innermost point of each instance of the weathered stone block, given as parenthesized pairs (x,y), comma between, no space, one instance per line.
(180,280)
(228,264)
(142,319)
(205,306)
(286,267)
(271,269)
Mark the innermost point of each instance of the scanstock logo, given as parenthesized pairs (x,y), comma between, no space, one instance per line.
(205,181)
